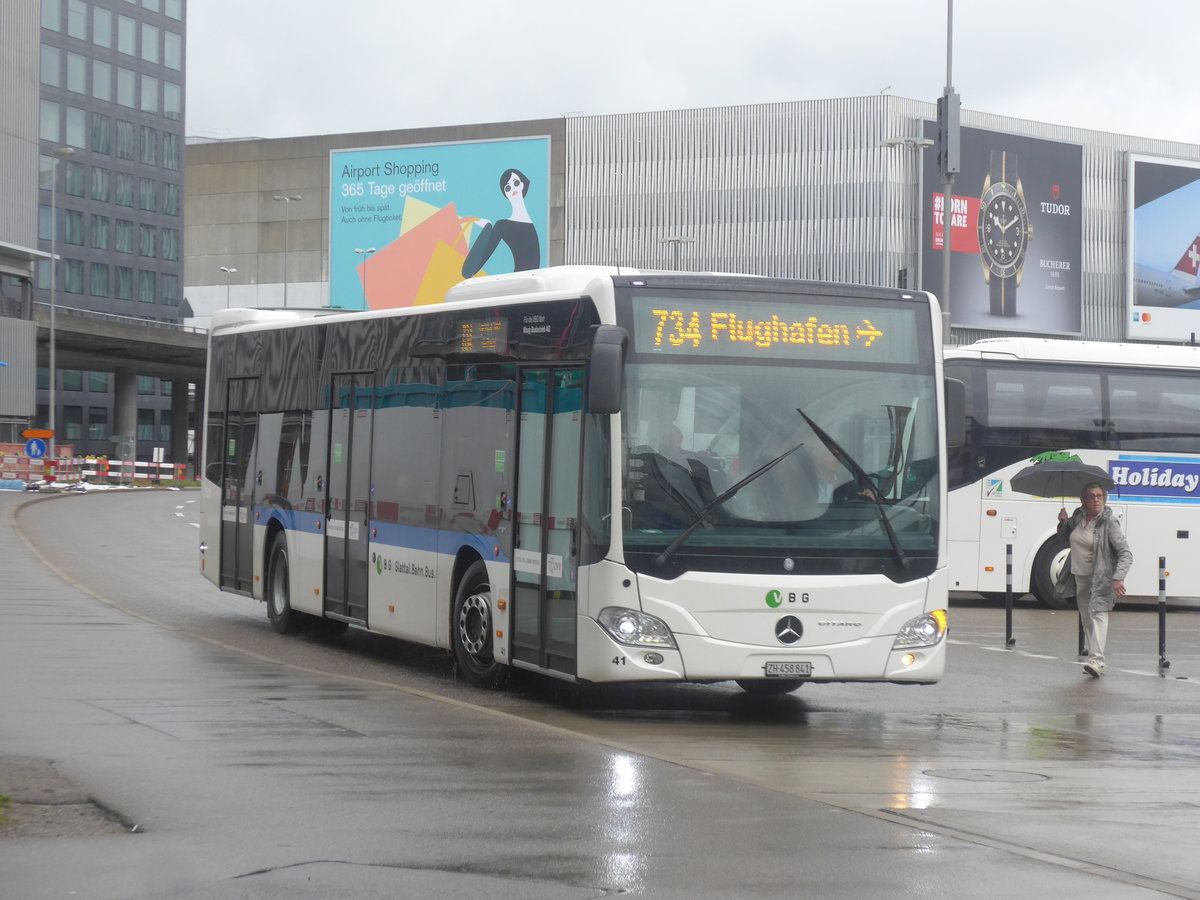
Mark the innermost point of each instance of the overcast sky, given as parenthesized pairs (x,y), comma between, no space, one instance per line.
(280,68)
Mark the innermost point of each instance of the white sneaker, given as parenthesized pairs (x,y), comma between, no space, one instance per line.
(1095,669)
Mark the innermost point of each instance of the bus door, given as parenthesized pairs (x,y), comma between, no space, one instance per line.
(347,502)
(237,485)
(545,549)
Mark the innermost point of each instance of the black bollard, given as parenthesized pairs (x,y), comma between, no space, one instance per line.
(1009,640)
(1162,613)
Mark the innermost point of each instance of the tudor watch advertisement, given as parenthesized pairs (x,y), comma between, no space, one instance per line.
(1016,233)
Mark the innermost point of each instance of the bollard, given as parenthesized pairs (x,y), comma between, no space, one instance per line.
(1009,640)
(1162,613)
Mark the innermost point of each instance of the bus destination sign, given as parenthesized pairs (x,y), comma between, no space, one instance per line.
(488,336)
(770,330)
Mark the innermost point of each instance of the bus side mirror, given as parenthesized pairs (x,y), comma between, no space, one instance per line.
(956,412)
(607,370)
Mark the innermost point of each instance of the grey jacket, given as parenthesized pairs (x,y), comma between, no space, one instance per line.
(1113,559)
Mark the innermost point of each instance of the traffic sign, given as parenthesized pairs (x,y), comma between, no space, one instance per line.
(35,448)
(44,433)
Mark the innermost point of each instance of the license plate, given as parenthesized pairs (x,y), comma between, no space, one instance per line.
(788,669)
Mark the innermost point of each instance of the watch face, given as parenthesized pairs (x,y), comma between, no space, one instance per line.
(1003,229)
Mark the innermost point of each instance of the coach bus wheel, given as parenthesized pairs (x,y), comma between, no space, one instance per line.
(1046,566)
(284,619)
(471,630)
(769,687)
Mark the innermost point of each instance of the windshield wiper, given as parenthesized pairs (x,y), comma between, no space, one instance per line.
(868,488)
(716,501)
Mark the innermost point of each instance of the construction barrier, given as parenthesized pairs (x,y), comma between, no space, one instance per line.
(17,471)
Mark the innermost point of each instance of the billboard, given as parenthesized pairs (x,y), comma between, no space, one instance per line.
(1163,267)
(1016,233)
(407,223)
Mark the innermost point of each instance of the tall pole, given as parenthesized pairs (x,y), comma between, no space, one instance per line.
(675,242)
(948,159)
(365,254)
(56,154)
(228,270)
(287,216)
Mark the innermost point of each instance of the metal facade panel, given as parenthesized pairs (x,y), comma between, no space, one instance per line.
(18,381)
(19,28)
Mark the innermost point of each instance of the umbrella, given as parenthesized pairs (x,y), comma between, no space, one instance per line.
(1059,478)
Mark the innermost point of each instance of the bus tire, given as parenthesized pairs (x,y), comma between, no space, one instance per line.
(1046,565)
(769,687)
(283,619)
(471,631)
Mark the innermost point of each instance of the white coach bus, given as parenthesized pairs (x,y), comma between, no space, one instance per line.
(1131,409)
(595,474)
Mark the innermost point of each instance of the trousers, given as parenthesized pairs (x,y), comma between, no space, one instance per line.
(1095,624)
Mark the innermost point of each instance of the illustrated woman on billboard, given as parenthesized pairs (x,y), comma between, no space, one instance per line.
(517,231)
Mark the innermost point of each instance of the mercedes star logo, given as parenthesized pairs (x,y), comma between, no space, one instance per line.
(788,630)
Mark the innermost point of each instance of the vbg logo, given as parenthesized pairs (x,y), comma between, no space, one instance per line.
(774,599)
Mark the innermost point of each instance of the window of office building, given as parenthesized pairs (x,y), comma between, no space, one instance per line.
(149,42)
(77,73)
(146,240)
(45,224)
(170,289)
(51,66)
(72,379)
(101,80)
(42,275)
(147,384)
(147,195)
(52,14)
(145,425)
(149,94)
(172,101)
(73,227)
(170,151)
(126,87)
(164,423)
(77,19)
(101,133)
(101,27)
(127,35)
(170,199)
(72,422)
(76,127)
(149,145)
(170,244)
(124,189)
(126,140)
(101,183)
(49,127)
(98,284)
(147,282)
(124,240)
(97,423)
(73,276)
(152,5)
(172,50)
(98,382)
(173,8)
(43,378)
(74,179)
(100,233)
(45,171)
(123,284)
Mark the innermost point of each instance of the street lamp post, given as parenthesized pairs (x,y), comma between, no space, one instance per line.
(287,216)
(365,254)
(919,144)
(675,242)
(56,154)
(228,270)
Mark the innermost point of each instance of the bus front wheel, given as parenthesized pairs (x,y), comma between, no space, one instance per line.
(471,631)
(1046,566)
(284,619)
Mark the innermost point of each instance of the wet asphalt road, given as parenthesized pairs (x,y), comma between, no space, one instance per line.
(256,765)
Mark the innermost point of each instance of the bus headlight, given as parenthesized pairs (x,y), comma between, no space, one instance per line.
(923,631)
(628,626)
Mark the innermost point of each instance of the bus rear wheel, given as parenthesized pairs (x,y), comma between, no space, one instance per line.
(1046,566)
(284,619)
(769,687)
(471,630)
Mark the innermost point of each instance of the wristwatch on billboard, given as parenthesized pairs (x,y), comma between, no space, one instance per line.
(1004,232)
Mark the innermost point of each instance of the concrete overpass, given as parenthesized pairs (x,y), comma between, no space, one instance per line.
(127,347)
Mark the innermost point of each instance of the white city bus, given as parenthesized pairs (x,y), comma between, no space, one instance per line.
(594,474)
(1131,409)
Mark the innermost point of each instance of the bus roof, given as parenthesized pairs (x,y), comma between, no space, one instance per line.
(1105,353)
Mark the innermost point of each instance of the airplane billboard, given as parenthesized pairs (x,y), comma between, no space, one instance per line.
(1163,266)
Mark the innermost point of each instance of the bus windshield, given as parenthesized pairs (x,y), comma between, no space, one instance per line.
(860,498)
